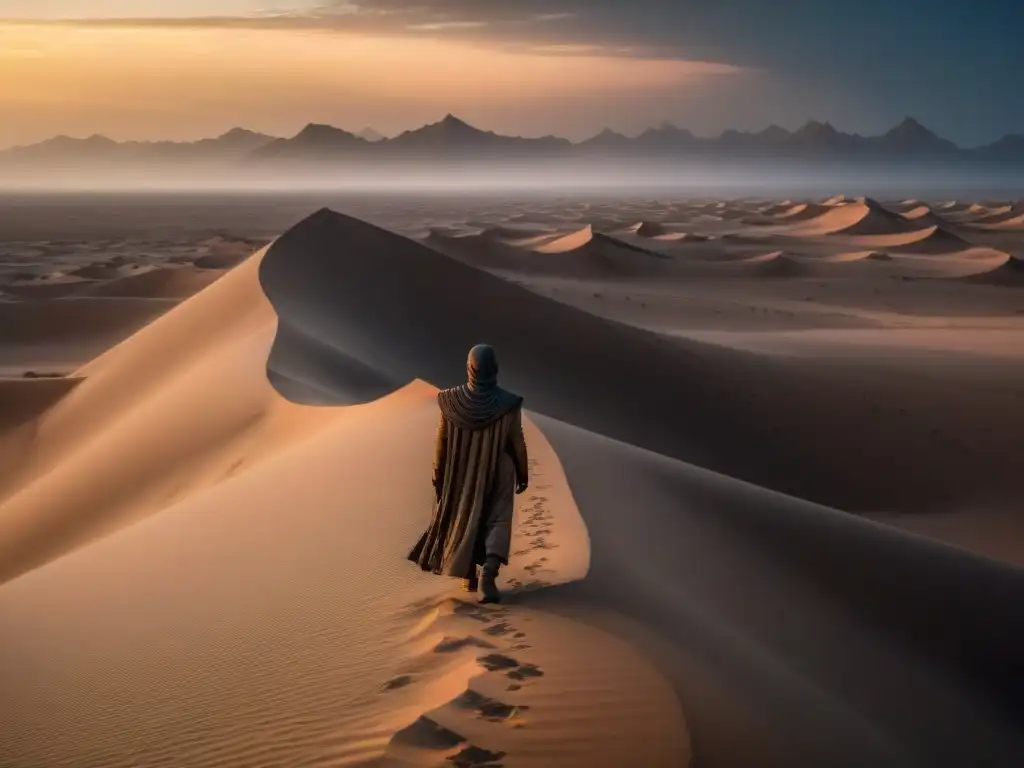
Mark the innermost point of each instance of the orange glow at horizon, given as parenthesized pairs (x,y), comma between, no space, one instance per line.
(155,82)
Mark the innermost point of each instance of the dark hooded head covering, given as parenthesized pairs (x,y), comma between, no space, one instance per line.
(480,401)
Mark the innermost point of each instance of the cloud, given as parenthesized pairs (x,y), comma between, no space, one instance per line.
(568,27)
(436,26)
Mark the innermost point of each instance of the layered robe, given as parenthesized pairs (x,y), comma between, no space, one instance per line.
(480,455)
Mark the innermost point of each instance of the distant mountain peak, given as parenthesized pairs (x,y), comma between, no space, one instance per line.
(908,126)
(237,132)
(451,122)
(321,130)
(371,134)
(774,131)
(818,128)
(909,134)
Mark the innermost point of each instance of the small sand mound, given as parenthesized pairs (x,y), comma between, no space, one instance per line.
(906,205)
(570,242)
(922,214)
(859,218)
(775,264)
(1009,274)
(801,212)
(648,229)
(514,233)
(839,200)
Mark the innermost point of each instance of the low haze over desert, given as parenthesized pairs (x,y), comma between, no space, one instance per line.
(773,385)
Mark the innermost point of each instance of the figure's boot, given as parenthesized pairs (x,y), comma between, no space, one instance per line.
(472,582)
(488,581)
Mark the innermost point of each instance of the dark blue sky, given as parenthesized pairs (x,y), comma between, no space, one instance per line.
(956,66)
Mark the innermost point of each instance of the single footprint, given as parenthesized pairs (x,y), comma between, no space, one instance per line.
(452,644)
(496,661)
(498,630)
(487,708)
(425,733)
(526,671)
(475,757)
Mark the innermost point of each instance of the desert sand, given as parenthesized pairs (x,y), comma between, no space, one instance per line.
(774,512)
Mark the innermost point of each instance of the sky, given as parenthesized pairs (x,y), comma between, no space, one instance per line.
(182,70)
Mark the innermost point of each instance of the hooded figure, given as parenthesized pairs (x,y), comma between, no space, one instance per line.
(479,464)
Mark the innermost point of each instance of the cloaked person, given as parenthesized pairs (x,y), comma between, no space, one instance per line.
(480,463)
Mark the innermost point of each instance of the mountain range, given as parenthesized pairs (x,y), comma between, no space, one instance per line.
(453,139)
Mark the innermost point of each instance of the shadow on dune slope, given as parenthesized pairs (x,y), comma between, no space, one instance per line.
(373,310)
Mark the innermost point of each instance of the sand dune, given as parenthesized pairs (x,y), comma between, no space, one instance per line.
(774,264)
(428,679)
(217,508)
(923,215)
(649,229)
(1009,274)
(931,240)
(571,242)
(802,212)
(855,218)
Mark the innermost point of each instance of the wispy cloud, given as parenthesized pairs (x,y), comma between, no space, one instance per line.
(538,25)
(437,26)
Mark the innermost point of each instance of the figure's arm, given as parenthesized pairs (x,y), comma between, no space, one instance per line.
(519,455)
(440,455)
